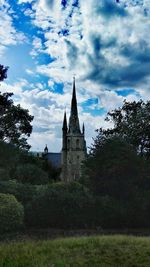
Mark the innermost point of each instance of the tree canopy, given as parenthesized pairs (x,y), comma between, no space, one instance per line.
(115,169)
(3,72)
(15,121)
(118,163)
(132,123)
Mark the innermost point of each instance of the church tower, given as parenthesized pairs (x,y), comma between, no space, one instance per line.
(73,143)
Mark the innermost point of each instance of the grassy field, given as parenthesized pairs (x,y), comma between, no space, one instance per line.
(98,251)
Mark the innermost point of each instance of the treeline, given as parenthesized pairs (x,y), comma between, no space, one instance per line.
(21,174)
(113,192)
(117,171)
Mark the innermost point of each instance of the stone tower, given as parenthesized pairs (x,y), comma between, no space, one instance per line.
(73,143)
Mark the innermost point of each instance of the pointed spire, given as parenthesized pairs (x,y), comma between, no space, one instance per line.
(83,129)
(74,110)
(74,126)
(46,149)
(65,130)
(65,122)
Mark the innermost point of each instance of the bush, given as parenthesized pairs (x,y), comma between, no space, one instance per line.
(112,213)
(11,213)
(23,192)
(32,174)
(61,205)
(9,157)
(4,174)
(104,212)
(9,187)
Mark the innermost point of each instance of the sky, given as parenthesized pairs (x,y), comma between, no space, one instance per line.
(104,43)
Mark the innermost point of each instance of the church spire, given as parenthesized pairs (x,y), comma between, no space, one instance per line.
(83,129)
(65,122)
(46,150)
(64,130)
(74,110)
(74,126)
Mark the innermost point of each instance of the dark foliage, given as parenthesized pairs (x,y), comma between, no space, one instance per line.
(114,168)
(23,166)
(132,123)
(15,122)
(60,205)
(30,174)
(120,182)
(3,72)
(11,213)
(24,193)
(117,169)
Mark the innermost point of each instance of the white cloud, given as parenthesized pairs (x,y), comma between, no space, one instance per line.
(29,12)
(24,1)
(8,34)
(37,47)
(29,71)
(104,49)
(78,55)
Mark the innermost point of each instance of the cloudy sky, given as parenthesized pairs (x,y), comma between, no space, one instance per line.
(105,43)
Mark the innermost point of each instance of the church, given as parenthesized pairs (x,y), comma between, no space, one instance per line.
(73,151)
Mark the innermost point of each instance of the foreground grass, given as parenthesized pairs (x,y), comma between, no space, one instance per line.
(101,251)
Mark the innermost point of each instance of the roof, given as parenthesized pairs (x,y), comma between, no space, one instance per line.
(54,158)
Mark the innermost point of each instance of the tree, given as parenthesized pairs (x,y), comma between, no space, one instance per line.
(4,174)
(60,205)
(30,174)
(119,180)
(115,169)
(3,72)
(11,213)
(132,123)
(15,122)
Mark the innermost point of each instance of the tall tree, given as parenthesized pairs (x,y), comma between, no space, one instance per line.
(114,169)
(15,122)
(132,123)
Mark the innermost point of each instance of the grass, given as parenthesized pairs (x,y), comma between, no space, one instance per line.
(98,251)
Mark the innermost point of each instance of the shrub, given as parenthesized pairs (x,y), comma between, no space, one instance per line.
(4,174)
(23,192)
(61,205)
(9,187)
(32,174)
(9,156)
(11,213)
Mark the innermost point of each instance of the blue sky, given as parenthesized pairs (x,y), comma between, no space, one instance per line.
(105,43)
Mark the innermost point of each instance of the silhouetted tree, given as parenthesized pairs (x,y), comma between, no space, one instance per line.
(3,72)
(15,122)
(132,123)
(115,169)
